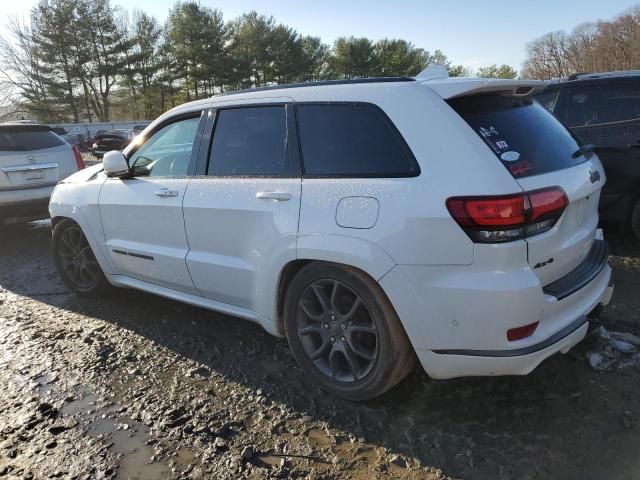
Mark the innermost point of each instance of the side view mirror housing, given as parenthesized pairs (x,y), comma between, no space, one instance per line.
(115,164)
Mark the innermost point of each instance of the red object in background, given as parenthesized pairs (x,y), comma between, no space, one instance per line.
(79,159)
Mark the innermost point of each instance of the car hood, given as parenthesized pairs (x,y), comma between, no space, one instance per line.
(84,175)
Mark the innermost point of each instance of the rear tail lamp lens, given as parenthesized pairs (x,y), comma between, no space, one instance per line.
(494,219)
(79,159)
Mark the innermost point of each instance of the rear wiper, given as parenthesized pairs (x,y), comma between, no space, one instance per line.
(585,150)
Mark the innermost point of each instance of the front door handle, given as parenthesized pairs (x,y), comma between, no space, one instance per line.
(165,192)
(279,196)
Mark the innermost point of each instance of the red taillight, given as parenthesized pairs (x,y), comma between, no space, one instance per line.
(78,155)
(519,333)
(511,217)
(547,202)
(488,211)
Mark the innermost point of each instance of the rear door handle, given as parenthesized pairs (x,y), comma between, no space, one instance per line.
(165,192)
(279,196)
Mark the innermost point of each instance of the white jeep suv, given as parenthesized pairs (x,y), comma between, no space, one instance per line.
(371,222)
(32,160)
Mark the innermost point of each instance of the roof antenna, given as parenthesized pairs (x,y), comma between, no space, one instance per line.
(433,72)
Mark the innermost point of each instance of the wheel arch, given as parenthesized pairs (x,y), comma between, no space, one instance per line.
(66,212)
(346,252)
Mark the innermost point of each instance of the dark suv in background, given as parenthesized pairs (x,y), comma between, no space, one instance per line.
(113,140)
(603,110)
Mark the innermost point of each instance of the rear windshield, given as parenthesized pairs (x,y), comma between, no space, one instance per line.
(526,138)
(14,140)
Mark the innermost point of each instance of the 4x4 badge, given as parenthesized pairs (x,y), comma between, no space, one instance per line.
(594,175)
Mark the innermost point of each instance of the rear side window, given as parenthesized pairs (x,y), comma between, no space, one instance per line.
(352,140)
(19,140)
(250,142)
(606,115)
(603,104)
(526,138)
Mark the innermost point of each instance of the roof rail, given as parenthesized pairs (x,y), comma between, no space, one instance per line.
(322,83)
(618,73)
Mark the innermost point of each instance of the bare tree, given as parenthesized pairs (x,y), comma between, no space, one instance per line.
(590,47)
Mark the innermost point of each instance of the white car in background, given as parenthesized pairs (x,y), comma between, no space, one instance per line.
(32,160)
(371,222)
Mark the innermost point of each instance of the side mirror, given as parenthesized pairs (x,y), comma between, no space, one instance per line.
(115,164)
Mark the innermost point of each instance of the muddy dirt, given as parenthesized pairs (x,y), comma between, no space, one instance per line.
(135,386)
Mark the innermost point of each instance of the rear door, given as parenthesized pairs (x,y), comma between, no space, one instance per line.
(541,153)
(33,156)
(241,211)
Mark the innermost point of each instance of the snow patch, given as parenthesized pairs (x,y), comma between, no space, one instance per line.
(614,350)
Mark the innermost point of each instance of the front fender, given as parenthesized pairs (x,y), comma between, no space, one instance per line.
(85,211)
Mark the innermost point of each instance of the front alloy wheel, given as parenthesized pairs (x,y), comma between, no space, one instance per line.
(75,261)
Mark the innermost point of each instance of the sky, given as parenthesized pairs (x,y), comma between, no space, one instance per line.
(473,33)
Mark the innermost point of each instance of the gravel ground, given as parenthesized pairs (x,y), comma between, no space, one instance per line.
(135,386)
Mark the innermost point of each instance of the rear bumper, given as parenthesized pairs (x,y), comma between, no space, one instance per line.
(518,362)
(24,211)
(24,205)
(457,317)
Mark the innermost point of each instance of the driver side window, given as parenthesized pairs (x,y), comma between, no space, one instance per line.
(167,152)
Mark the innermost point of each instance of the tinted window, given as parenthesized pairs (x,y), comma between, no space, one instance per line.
(250,141)
(520,132)
(26,139)
(583,108)
(168,151)
(603,104)
(355,140)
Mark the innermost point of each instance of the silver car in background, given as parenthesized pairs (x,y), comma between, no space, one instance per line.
(33,158)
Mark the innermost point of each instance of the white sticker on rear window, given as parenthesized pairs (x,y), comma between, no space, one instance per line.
(510,156)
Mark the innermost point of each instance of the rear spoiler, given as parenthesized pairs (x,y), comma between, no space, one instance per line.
(461,87)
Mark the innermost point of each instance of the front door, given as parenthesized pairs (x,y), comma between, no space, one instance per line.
(142,216)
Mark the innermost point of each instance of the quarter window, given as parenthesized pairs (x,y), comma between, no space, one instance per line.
(352,140)
(168,151)
(250,141)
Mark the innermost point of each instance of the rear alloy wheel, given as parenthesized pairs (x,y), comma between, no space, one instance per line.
(337,331)
(75,261)
(344,332)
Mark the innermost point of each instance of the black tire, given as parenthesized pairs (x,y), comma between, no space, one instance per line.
(75,261)
(635,220)
(366,348)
